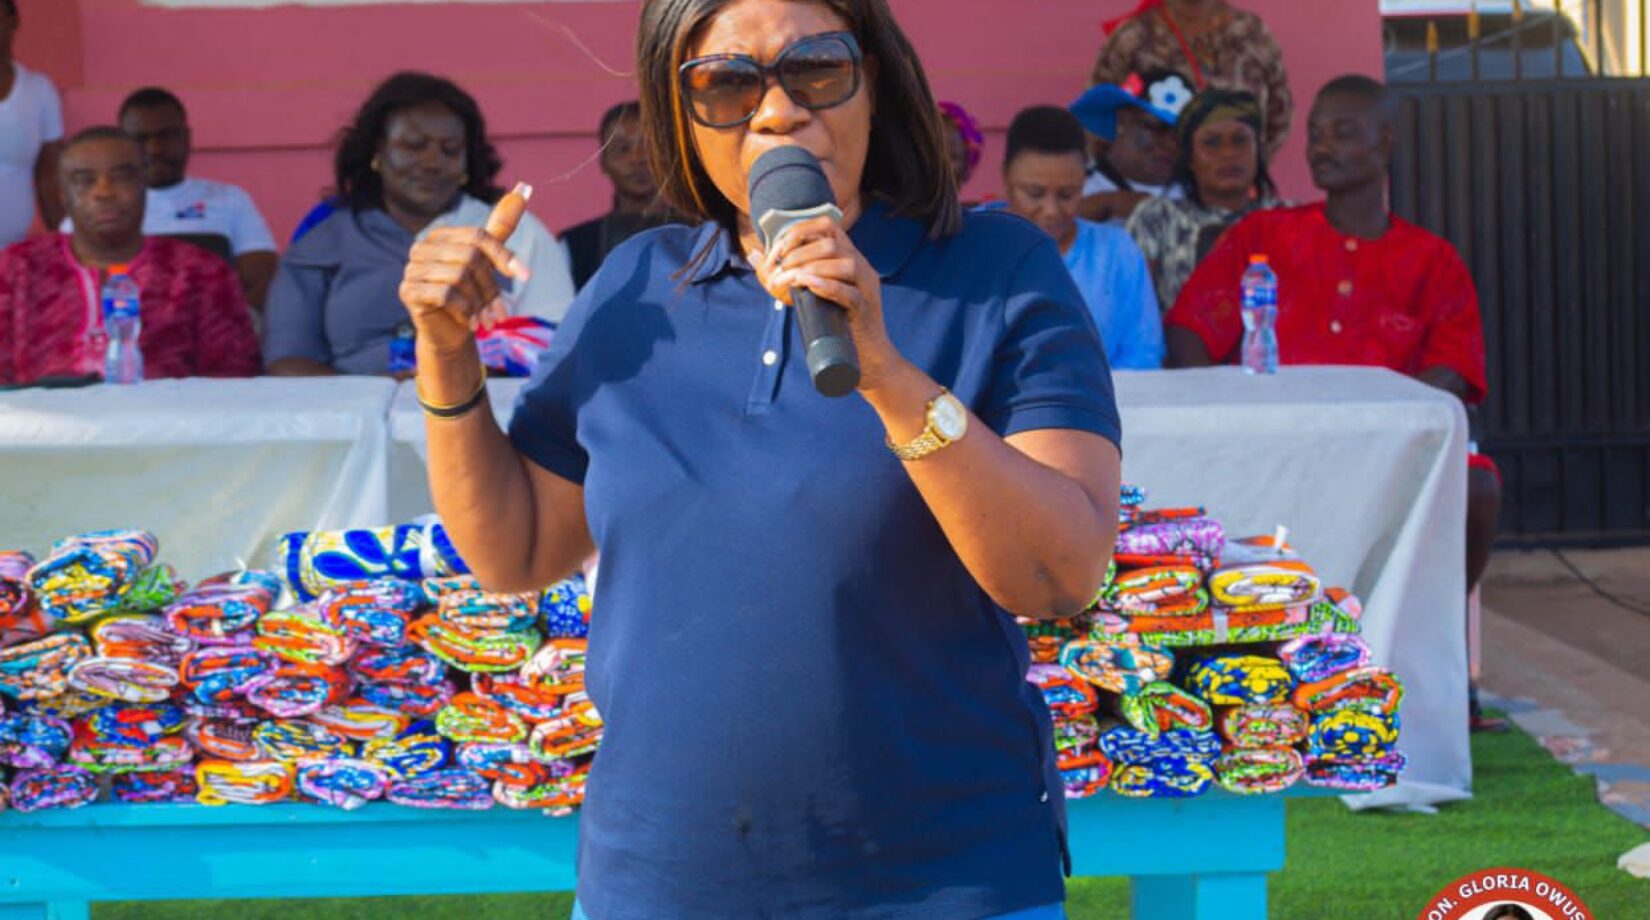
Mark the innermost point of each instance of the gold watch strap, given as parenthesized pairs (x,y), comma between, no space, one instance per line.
(919,447)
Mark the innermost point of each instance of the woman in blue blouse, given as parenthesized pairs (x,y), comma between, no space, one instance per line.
(802,643)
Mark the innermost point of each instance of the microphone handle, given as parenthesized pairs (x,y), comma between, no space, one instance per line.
(833,362)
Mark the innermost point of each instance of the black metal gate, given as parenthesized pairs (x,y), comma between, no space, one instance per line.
(1545,188)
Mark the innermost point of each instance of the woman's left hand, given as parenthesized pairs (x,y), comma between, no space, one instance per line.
(818,255)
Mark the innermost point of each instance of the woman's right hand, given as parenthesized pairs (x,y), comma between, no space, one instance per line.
(449,285)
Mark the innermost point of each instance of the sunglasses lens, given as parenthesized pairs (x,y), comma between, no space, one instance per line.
(723,92)
(819,73)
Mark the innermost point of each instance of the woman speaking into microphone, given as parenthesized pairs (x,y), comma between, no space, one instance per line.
(802,643)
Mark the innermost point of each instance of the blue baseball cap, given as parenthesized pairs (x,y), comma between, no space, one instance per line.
(1161,95)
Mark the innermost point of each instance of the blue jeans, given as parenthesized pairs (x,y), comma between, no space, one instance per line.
(1046,912)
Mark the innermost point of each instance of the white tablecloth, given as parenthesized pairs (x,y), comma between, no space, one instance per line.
(1366,468)
(219,469)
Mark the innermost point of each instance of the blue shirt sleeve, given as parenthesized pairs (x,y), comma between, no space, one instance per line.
(1049,369)
(545,424)
(1142,347)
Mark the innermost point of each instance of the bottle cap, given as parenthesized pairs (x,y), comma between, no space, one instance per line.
(1259,258)
(120,268)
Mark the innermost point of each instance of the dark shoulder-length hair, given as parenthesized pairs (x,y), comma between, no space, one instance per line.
(906,164)
(1196,113)
(357,184)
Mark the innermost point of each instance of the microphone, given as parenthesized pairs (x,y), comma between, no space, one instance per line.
(787,186)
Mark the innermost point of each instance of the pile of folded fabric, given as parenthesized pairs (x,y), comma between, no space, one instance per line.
(1194,691)
(394,677)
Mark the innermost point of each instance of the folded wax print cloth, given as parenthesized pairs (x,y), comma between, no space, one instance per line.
(1065,694)
(70,704)
(474,648)
(298,740)
(480,611)
(1085,775)
(452,787)
(1260,725)
(256,782)
(156,786)
(20,619)
(1338,611)
(62,786)
(315,561)
(1210,626)
(419,749)
(1125,744)
(515,694)
(416,701)
(473,717)
(168,753)
(1045,638)
(1263,585)
(359,720)
(221,739)
(1161,706)
(40,668)
(565,608)
(1169,776)
(219,674)
(30,741)
(220,612)
(1118,668)
(85,576)
(574,733)
(1253,771)
(1355,731)
(1195,541)
(556,794)
(1364,775)
(130,679)
(1320,656)
(154,588)
(1159,590)
(1075,736)
(343,782)
(373,612)
(1237,680)
(303,636)
(495,760)
(398,664)
(290,690)
(144,637)
(1367,684)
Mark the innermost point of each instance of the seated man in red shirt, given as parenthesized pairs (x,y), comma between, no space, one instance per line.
(1356,284)
(195,320)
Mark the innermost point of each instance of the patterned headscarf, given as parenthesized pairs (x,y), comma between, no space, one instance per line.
(969,129)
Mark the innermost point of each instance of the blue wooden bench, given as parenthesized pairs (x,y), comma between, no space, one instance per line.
(1194,859)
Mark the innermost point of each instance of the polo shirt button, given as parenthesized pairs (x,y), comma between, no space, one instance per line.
(1351,245)
(1345,288)
(1335,326)
(769,357)
(1044,796)
(779,304)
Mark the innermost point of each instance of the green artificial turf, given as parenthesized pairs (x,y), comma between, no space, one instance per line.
(1530,811)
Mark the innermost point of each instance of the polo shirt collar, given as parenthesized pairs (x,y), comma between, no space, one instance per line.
(886,240)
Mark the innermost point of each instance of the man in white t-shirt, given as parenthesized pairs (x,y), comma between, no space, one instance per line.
(31,126)
(214,215)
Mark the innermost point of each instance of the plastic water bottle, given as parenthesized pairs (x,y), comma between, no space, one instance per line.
(1260,317)
(404,349)
(122,324)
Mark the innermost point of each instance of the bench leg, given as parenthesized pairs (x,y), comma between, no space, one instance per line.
(55,910)
(1216,896)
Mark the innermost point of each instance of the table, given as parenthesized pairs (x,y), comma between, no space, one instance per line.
(218,468)
(1366,467)
(52,867)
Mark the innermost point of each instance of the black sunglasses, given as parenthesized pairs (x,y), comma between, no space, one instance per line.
(817,72)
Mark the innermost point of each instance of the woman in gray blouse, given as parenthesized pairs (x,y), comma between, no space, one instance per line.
(415,158)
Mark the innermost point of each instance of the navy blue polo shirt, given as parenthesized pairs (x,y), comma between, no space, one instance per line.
(813,710)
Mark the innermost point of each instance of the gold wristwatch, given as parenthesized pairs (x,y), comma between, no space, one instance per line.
(947,423)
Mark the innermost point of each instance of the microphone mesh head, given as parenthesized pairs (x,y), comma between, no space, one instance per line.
(787,179)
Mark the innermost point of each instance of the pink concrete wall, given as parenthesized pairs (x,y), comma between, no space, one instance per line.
(267,88)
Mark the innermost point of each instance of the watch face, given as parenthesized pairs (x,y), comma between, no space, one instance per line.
(949,417)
